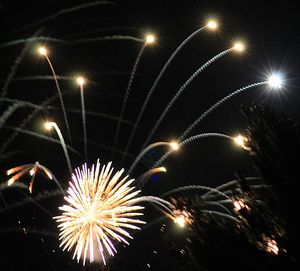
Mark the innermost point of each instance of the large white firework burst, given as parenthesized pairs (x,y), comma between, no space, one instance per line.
(98,212)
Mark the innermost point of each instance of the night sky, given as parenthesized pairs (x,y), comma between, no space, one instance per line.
(270,31)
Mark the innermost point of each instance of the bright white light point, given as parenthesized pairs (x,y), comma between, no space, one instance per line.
(163,169)
(240,47)
(180,220)
(275,81)
(42,51)
(150,39)
(240,141)
(48,125)
(80,81)
(212,25)
(174,145)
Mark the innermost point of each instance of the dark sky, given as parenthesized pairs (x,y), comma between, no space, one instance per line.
(272,37)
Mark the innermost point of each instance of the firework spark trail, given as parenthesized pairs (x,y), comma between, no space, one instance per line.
(144,151)
(11,109)
(13,70)
(3,200)
(8,154)
(181,89)
(246,200)
(127,92)
(231,183)
(97,114)
(166,205)
(63,12)
(25,121)
(29,40)
(215,213)
(142,180)
(60,97)
(39,136)
(19,171)
(218,204)
(52,124)
(44,106)
(83,115)
(106,29)
(38,205)
(187,141)
(96,39)
(4,186)
(238,190)
(193,188)
(36,231)
(28,199)
(105,147)
(43,77)
(102,115)
(70,42)
(53,178)
(216,105)
(32,169)
(177,50)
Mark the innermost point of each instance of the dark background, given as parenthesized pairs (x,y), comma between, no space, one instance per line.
(271,34)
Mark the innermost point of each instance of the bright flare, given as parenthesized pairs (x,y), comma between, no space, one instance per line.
(241,141)
(48,125)
(97,212)
(174,145)
(239,47)
(180,221)
(150,39)
(42,51)
(212,25)
(80,80)
(275,81)
(181,218)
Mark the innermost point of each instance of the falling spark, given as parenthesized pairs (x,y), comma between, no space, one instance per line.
(32,169)
(99,208)
(173,55)
(65,11)
(81,81)
(217,104)
(43,51)
(187,141)
(128,88)
(142,180)
(181,90)
(241,141)
(49,126)
(173,145)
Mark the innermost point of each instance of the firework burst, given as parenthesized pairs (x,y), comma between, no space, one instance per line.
(98,212)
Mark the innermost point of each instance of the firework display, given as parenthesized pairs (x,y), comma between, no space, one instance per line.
(98,207)
(98,210)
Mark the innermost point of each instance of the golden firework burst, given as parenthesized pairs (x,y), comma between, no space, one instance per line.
(98,212)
